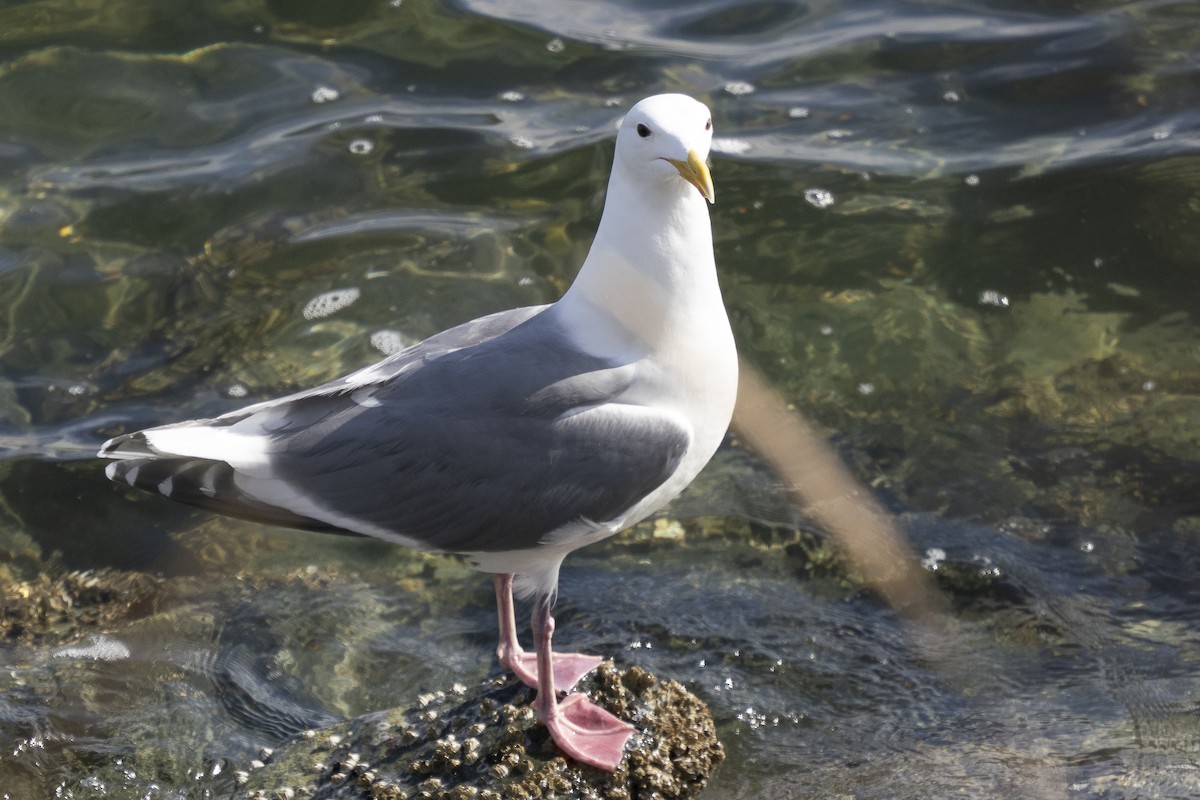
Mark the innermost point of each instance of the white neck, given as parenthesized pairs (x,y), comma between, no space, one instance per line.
(617,305)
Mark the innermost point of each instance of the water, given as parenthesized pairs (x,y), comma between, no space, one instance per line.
(958,237)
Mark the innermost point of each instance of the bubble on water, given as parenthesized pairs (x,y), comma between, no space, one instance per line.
(933,558)
(102,648)
(373,119)
(730,146)
(512,96)
(990,297)
(325,304)
(361,147)
(525,280)
(739,88)
(1086,546)
(388,341)
(1161,134)
(819,198)
(521,142)
(951,96)
(325,94)
(237,390)
(614,102)
(987,569)
(798,112)
(866,388)
(838,133)
(971,180)
(556,45)
(825,330)
(1149,385)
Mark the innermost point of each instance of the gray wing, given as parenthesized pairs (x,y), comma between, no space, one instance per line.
(468,334)
(481,446)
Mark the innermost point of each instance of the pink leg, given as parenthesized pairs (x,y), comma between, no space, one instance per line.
(568,667)
(580,728)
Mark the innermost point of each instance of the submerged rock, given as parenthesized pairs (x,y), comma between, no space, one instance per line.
(485,742)
(65,607)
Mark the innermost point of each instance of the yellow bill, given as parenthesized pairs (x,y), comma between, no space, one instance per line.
(695,172)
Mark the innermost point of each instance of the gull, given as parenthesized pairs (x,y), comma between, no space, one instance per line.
(515,438)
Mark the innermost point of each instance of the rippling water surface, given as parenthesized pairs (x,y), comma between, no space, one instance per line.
(960,238)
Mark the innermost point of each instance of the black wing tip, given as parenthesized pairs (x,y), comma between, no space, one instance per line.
(188,480)
(205,484)
(128,445)
(129,471)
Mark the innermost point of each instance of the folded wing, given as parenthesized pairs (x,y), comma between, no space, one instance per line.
(443,446)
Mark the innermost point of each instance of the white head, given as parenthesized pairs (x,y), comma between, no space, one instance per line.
(651,264)
(667,135)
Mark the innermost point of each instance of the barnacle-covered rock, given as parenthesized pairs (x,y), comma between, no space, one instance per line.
(484,743)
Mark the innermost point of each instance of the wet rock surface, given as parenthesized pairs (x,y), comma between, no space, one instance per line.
(484,742)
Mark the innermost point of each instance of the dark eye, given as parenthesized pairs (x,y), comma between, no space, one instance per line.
(643,130)
(708,125)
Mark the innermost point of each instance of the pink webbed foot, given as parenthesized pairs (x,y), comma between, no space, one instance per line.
(586,732)
(568,668)
(582,730)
